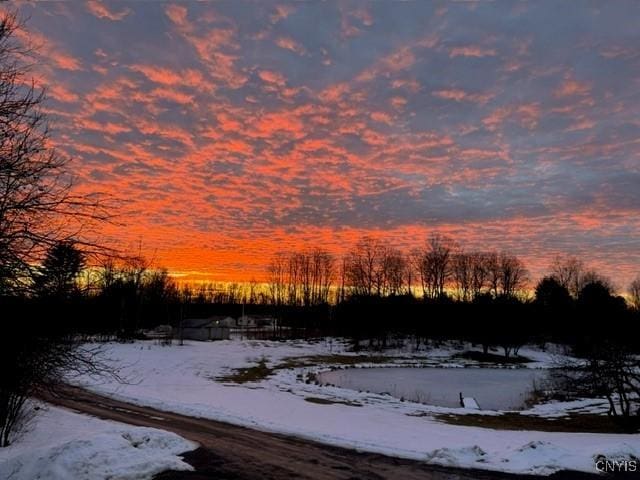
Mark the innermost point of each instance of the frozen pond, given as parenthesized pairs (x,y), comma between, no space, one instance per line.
(493,388)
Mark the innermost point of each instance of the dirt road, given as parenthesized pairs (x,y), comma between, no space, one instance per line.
(232,452)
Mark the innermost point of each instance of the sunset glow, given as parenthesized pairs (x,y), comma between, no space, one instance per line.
(229,131)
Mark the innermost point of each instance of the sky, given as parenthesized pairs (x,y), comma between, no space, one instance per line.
(232,130)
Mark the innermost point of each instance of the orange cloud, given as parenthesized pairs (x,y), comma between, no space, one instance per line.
(270,76)
(213,44)
(570,87)
(228,123)
(401,59)
(382,117)
(101,11)
(289,43)
(107,127)
(581,124)
(282,12)
(50,50)
(62,94)
(334,93)
(411,85)
(160,75)
(349,18)
(173,95)
(271,123)
(398,102)
(177,14)
(211,48)
(170,77)
(65,61)
(460,95)
(527,115)
(236,146)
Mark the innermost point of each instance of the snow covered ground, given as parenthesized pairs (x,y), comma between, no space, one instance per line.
(186,379)
(58,444)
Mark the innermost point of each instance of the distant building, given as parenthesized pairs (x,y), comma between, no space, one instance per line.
(245,321)
(161,332)
(213,328)
(255,321)
(223,321)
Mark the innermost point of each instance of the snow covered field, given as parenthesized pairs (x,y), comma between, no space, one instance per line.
(60,445)
(186,379)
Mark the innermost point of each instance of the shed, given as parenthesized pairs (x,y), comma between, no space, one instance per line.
(203,329)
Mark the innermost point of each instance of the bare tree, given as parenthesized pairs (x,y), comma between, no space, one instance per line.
(35,182)
(462,272)
(294,278)
(409,273)
(323,275)
(38,209)
(572,274)
(107,273)
(310,276)
(610,370)
(417,264)
(634,293)
(394,268)
(479,272)
(34,363)
(513,274)
(253,291)
(434,265)
(568,272)
(277,275)
(504,274)
(362,267)
(301,278)
(494,272)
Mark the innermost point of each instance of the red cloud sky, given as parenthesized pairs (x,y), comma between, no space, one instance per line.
(231,133)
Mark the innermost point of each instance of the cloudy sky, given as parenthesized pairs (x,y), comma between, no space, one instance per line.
(236,129)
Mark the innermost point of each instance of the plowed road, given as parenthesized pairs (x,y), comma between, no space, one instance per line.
(232,452)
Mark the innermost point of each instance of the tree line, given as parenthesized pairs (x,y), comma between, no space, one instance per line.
(374,269)
(440,270)
(436,270)
(129,293)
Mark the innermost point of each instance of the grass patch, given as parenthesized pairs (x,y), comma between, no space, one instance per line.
(261,371)
(325,401)
(315,360)
(256,373)
(581,423)
(492,358)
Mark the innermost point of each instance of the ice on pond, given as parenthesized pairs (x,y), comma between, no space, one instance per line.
(492,388)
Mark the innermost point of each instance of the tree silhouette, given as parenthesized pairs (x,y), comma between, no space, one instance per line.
(552,295)
(35,181)
(37,211)
(634,293)
(60,269)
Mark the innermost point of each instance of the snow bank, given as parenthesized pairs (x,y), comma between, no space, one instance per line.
(61,445)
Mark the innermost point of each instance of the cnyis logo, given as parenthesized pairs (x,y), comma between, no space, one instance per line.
(606,465)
